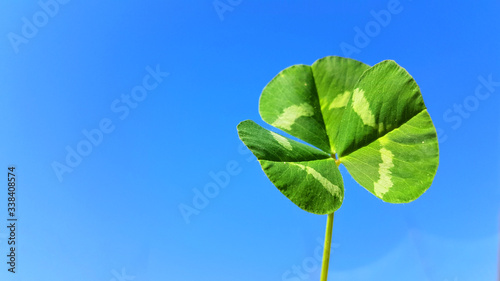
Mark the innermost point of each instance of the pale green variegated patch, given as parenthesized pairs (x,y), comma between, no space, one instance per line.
(282,140)
(340,101)
(329,186)
(290,114)
(362,108)
(381,186)
(373,118)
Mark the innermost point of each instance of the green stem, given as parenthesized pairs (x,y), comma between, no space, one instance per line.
(328,245)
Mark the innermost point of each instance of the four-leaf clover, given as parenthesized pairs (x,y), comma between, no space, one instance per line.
(373,120)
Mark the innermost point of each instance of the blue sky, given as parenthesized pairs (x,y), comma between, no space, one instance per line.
(160,86)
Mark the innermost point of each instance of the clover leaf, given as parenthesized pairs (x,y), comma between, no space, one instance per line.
(371,119)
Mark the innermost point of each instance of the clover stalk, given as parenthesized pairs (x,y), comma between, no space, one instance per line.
(328,245)
(328,237)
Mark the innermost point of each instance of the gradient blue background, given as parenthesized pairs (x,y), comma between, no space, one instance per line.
(118,210)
